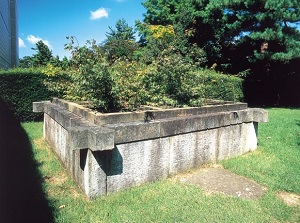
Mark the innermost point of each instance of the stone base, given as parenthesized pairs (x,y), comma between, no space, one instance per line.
(107,152)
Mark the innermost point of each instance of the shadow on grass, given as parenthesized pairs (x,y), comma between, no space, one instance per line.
(298,123)
(21,196)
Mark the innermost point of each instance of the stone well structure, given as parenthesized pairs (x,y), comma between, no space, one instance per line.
(108,152)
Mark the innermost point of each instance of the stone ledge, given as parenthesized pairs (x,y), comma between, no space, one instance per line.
(135,131)
(140,116)
(94,138)
(82,134)
(39,106)
(167,122)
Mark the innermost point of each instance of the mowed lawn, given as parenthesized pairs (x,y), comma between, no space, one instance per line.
(275,165)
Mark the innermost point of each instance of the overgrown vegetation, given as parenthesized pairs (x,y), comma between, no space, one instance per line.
(162,73)
(275,165)
(124,86)
(184,49)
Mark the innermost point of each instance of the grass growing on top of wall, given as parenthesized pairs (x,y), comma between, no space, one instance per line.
(275,164)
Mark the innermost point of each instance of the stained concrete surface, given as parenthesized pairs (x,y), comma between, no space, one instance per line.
(220,180)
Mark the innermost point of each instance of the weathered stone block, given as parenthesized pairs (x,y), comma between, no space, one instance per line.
(138,162)
(38,106)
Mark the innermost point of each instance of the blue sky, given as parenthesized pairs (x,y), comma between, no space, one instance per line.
(53,20)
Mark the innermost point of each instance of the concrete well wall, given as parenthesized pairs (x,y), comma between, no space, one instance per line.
(105,155)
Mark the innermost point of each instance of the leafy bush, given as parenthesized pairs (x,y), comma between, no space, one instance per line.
(167,80)
(177,85)
(128,87)
(57,81)
(90,77)
(171,81)
(165,72)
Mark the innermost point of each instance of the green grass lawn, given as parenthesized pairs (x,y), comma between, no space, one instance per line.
(275,164)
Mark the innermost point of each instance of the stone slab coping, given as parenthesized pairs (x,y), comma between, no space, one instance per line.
(85,131)
(151,113)
(136,131)
(81,133)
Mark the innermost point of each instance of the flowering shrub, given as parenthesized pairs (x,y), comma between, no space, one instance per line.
(51,70)
(160,32)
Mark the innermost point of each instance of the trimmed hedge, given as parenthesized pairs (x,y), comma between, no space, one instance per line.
(19,88)
(221,86)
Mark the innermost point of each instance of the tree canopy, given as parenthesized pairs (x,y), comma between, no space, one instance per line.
(43,55)
(257,39)
(224,28)
(122,31)
(120,41)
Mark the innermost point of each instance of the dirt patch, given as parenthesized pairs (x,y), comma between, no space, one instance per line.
(56,181)
(220,180)
(289,199)
(40,143)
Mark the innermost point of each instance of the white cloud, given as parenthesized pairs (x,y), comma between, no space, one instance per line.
(21,43)
(99,13)
(34,39)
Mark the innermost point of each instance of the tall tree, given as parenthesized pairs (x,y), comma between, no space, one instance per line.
(120,42)
(55,61)
(264,38)
(65,63)
(160,12)
(122,31)
(192,21)
(267,25)
(43,55)
(224,26)
(26,62)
